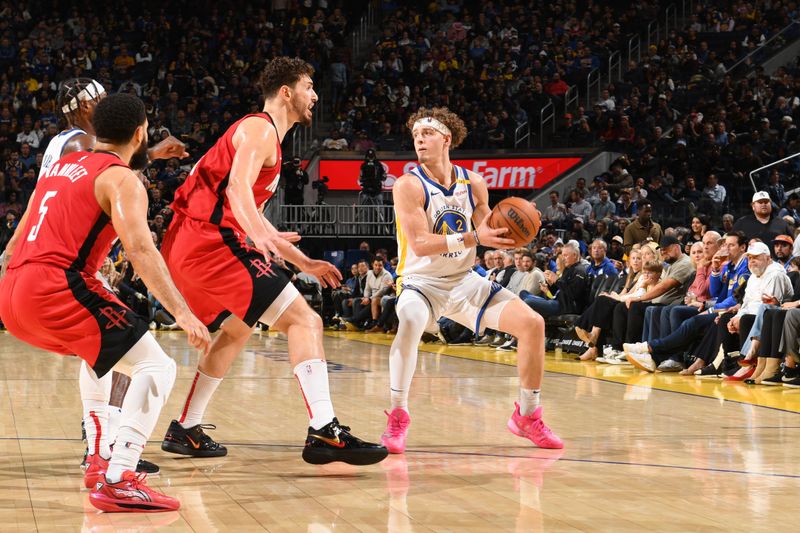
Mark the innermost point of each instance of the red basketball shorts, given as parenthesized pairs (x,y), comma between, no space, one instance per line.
(70,313)
(220,275)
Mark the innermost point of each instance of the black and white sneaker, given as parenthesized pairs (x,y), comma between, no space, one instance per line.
(708,372)
(510,346)
(791,377)
(790,374)
(192,441)
(334,442)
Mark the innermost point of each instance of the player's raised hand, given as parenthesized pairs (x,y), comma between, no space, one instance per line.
(327,274)
(168,148)
(198,335)
(493,238)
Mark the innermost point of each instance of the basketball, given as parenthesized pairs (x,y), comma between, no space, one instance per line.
(520,217)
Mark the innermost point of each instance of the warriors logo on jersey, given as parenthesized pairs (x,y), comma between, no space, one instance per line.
(450,219)
(448,211)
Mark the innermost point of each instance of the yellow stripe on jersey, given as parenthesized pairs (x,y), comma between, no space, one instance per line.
(402,249)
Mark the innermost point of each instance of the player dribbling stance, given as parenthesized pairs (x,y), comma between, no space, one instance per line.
(436,205)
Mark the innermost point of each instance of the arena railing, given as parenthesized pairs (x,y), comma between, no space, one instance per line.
(571,98)
(793,26)
(634,49)
(547,114)
(592,85)
(522,134)
(326,221)
(615,66)
(361,31)
(752,173)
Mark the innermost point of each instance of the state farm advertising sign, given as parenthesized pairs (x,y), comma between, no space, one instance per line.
(526,173)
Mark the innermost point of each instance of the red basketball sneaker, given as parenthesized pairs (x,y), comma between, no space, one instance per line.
(96,468)
(130,495)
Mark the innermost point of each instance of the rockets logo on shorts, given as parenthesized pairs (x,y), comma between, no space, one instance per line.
(262,268)
(116,319)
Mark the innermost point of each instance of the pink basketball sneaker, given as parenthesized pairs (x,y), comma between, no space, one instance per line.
(533,428)
(394,438)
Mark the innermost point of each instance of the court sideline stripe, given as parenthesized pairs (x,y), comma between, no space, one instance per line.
(694,395)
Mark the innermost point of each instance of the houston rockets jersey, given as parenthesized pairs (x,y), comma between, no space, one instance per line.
(203,196)
(66,227)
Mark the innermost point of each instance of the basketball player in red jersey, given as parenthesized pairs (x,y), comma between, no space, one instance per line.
(231,286)
(51,298)
(77,99)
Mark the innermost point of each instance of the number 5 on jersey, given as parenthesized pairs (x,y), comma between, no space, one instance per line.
(42,212)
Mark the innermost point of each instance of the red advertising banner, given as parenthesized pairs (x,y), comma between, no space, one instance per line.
(526,173)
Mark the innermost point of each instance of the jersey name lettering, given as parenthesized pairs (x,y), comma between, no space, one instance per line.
(71,171)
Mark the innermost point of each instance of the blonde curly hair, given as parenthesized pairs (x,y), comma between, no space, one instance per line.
(446,117)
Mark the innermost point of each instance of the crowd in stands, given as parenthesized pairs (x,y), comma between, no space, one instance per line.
(496,64)
(499,64)
(193,64)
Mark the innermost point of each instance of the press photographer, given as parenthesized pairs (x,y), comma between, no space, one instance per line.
(371,180)
(294,179)
(322,189)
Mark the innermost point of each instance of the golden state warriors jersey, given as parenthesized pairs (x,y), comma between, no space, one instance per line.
(448,211)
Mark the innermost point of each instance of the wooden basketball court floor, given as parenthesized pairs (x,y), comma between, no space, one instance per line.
(643,452)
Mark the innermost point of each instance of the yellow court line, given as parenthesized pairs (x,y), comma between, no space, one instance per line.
(760,395)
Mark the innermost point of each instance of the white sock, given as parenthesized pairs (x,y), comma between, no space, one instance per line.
(413,315)
(127,451)
(152,375)
(399,399)
(95,393)
(95,419)
(313,378)
(114,420)
(528,400)
(200,394)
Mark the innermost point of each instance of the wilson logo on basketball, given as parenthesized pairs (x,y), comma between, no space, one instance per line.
(517,219)
(262,268)
(116,319)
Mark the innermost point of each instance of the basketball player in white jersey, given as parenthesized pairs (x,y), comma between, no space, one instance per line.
(437,205)
(77,99)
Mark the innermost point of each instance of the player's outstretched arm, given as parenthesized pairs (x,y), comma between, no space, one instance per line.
(167,149)
(409,204)
(123,197)
(325,272)
(255,140)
